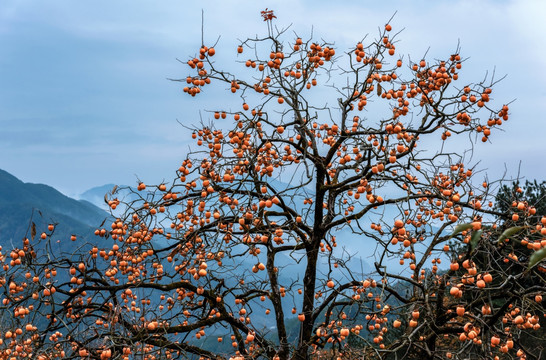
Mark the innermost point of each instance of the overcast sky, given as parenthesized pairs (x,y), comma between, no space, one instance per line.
(85,100)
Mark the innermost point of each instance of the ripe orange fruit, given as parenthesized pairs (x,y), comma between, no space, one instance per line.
(460,310)
(454,291)
(495,340)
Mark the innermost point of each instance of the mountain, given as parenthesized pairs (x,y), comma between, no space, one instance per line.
(22,203)
(95,195)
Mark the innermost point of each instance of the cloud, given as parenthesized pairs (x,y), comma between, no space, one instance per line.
(89,78)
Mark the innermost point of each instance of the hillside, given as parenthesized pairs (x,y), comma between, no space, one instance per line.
(96,195)
(22,203)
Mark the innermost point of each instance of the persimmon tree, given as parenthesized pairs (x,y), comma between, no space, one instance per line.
(245,245)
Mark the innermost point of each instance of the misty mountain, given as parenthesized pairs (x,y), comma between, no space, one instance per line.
(23,203)
(96,195)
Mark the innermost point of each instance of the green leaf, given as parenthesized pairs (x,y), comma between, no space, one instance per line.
(537,257)
(475,238)
(509,232)
(460,228)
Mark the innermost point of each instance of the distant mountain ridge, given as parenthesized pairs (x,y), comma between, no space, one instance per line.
(96,195)
(21,203)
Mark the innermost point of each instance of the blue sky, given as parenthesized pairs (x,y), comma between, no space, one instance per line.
(85,100)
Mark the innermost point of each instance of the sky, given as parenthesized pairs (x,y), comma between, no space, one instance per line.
(85,98)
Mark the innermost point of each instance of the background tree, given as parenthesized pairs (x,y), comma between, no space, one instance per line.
(532,192)
(249,227)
